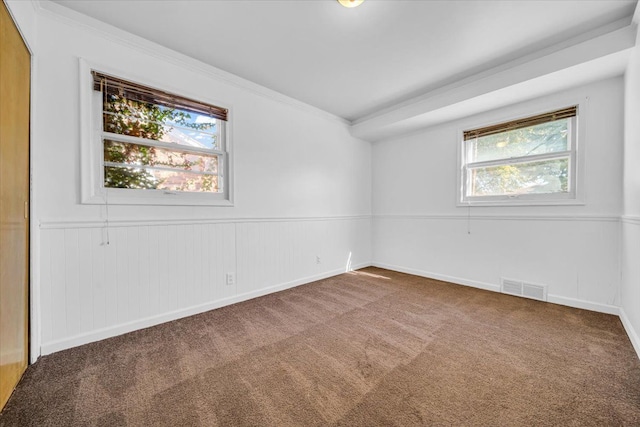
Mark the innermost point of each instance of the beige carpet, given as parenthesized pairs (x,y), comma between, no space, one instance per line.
(363,349)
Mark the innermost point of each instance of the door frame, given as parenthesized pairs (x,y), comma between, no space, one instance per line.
(21,12)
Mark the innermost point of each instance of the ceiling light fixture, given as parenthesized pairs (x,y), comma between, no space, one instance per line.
(350,3)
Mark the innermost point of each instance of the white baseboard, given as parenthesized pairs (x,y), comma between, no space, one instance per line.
(631,332)
(112,331)
(436,276)
(54,346)
(555,299)
(585,305)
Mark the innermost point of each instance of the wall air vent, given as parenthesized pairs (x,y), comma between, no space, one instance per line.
(523,289)
(512,287)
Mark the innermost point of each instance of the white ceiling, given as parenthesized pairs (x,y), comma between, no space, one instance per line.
(354,62)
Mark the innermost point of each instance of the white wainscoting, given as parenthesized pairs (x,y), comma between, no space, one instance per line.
(576,256)
(630,268)
(98,281)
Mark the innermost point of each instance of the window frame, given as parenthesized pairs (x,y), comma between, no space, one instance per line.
(575,195)
(93,190)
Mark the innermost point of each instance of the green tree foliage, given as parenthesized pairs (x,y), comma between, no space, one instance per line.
(150,121)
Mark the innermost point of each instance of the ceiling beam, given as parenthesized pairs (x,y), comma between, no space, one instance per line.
(602,56)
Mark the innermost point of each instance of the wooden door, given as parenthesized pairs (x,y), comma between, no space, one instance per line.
(15,64)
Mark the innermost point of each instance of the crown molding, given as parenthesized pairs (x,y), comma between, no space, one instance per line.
(86,23)
(594,55)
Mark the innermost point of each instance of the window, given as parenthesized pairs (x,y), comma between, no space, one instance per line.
(527,161)
(149,146)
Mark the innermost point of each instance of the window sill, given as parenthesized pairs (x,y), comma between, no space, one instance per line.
(156,197)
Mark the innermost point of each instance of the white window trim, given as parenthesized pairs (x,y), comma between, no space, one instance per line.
(92,190)
(578,136)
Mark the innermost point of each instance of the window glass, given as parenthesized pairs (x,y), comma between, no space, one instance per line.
(542,177)
(153,140)
(145,120)
(532,158)
(539,139)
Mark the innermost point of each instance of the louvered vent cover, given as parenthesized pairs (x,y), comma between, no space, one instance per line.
(531,290)
(512,287)
(524,289)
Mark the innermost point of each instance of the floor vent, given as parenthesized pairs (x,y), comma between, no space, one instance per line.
(524,289)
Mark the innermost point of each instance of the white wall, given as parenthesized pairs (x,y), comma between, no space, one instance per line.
(302,190)
(573,249)
(630,294)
